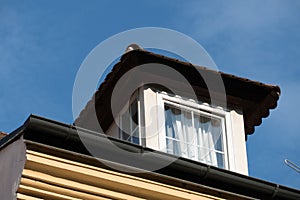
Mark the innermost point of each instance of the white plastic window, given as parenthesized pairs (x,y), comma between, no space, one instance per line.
(194,131)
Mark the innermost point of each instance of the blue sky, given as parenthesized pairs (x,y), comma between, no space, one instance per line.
(43,43)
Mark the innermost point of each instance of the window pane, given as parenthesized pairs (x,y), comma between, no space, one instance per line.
(134,113)
(202,128)
(194,135)
(179,126)
(135,140)
(135,137)
(173,147)
(129,124)
(125,123)
(187,126)
(216,131)
(170,129)
(188,134)
(220,159)
(204,155)
(125,136)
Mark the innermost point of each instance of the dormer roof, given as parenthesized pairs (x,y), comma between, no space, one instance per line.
(254,98)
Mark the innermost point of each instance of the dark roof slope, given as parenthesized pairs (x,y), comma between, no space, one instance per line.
(51,134)
(254,98)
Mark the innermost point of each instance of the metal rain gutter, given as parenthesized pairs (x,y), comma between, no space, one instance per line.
(49,132)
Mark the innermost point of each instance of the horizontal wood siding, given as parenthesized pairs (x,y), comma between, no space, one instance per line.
(50,177)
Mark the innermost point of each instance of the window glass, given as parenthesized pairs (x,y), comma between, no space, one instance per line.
(194,135)
(130,124)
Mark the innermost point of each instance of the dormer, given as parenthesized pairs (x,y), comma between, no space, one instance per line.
(181,109)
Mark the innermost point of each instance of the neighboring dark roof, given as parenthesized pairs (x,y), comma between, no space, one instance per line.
(2,135)
(186,173)
(254,98)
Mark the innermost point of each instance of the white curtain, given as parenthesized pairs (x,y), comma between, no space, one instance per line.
(217,136)
(205,141)
(187,134)
(173,132)
(182,136)
(179,132)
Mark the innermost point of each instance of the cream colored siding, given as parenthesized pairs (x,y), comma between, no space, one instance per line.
(50,177)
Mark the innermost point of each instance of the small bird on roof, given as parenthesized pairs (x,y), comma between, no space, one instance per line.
(133,46)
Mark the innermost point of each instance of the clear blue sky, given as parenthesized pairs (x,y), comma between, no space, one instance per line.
(43,43)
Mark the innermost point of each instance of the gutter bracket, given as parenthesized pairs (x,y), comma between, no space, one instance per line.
(276,190)
(68,132)
(206,172)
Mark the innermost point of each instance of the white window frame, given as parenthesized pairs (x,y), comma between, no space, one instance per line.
(135,96)
(199,108)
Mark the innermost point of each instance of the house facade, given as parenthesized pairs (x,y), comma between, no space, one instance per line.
(153,139)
